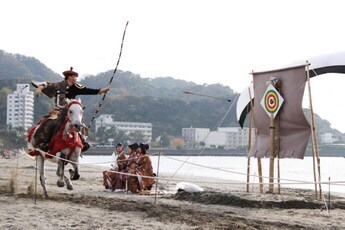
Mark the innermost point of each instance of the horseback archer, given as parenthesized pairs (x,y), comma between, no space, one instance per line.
(68,88)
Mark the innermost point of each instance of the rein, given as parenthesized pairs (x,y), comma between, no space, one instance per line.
(111,79)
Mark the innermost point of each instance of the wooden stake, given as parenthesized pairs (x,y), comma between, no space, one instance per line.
(159,157)
(248,172)
(314,136)
(329,195)
(260,176)
(36,181)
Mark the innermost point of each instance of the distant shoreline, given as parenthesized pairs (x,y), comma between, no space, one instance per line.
(329,152)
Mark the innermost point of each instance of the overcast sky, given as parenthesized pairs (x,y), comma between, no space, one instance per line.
(204,41)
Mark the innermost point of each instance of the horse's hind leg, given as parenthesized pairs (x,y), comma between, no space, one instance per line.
(40,163)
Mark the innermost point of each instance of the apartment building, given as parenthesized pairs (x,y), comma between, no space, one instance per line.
(107,120)
(20,107)
(226,137)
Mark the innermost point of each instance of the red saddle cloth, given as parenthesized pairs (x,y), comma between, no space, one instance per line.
(59,141)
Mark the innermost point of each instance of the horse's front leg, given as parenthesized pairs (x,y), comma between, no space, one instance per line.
(74,173)
(60,173)
(40,164)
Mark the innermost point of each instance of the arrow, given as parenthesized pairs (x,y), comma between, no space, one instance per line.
(203,95)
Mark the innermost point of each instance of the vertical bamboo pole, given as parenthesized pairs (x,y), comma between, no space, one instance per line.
(314,164)
(314,136)
(259,159)
(277,147)
(248,170)
(249,139)
(271,172)
(278,169)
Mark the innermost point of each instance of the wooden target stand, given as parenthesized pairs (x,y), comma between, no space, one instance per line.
(274,145)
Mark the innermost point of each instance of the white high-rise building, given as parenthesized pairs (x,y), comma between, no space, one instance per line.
(20,107)
(106,120)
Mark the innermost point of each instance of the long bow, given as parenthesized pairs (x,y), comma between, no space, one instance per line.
(111,79)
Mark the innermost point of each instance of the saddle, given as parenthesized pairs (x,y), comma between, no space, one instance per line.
(43,134)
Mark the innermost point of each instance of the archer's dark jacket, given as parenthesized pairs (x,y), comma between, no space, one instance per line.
(62,90)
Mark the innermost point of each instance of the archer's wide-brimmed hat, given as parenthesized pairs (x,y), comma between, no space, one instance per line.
(70,72)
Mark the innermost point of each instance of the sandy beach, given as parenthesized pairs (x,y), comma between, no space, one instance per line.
(90,206)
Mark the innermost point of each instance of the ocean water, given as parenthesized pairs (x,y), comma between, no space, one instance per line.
(294,173)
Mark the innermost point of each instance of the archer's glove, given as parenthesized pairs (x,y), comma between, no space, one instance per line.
(104,90)
(38,90)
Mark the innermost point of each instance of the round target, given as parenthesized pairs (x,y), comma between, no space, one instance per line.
(271,101)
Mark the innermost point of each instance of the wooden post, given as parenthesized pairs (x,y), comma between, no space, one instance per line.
(277,147)
(278,169)
(260,175)
(271,173)
(314,137)
(248,171)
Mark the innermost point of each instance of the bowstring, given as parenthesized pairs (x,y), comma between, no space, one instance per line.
(111,79)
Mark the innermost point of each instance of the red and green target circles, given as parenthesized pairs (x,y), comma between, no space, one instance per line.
(271,101)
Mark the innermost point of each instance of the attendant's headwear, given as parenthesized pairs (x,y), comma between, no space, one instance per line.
(119,144)
(133,146)
(144,147)
(70,72)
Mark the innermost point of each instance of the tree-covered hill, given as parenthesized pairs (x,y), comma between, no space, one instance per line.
(16,68)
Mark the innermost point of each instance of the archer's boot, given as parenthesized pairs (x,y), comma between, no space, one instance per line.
(86,145)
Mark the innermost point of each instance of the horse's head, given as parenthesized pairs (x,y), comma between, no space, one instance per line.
(75,114)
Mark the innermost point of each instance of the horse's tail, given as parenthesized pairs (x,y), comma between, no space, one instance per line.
(31,152)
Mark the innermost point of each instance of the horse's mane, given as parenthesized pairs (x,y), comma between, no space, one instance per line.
(60,120)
